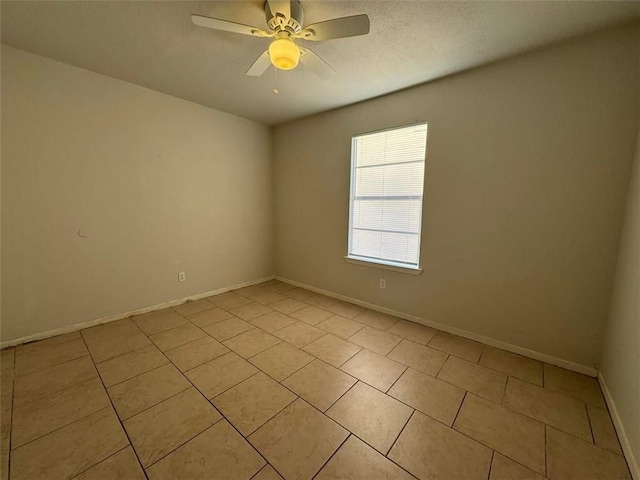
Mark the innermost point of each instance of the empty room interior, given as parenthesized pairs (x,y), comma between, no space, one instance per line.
(307,239)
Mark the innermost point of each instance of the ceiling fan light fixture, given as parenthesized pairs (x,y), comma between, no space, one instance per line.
(284,54)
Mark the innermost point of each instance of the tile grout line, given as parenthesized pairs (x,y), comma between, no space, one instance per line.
(324,464)
(13,393)
(459,408)
(493,453)
(546,466)
(593,437)
(113,407)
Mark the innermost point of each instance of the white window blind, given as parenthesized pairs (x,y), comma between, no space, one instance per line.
(385,212)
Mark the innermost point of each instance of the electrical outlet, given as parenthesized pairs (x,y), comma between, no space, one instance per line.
(383,283)
(181,277)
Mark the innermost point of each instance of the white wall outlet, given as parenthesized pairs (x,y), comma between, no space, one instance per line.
(181,277)
(383,283)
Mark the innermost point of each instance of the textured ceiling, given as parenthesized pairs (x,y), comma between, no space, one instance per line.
(154,44)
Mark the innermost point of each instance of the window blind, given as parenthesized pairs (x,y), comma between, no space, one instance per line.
(385,212)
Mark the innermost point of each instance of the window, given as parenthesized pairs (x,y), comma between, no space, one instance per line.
(385,211)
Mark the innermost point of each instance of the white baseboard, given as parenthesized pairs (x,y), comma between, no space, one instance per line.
(632,461)
(120,316)
(525,352)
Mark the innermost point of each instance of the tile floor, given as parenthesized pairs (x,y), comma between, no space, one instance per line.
(273,381)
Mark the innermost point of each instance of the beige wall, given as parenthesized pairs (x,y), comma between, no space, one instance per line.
(158,185)
(621,354)
(527,167)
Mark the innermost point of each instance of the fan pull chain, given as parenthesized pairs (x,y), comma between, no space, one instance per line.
(275,81)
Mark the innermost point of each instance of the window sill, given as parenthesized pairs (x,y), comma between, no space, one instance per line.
(382,266)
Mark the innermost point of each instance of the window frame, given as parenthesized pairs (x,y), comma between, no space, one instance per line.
(378,262)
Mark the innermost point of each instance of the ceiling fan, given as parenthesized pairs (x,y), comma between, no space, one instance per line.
(285,25)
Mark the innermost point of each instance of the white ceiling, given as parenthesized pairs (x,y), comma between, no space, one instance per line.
(154,44)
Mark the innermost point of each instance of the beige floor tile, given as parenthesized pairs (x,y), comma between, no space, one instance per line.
(36,385)
(458,346)
(604,433)
(321,301)
(130,365)
(514,435)
(7,358)
(355,460)
(114,339)
(227,329)
(48,342)
(139,393)
(569,458)
(252,290)
(580,386)
(218,452)
(272,321)
(433,397)
(503,468)
(41,416)
(48,357)
(216,376)
(121,466)
(378,320)
(340,326)
(418,356)
(267,473)
(375,340)
(559,411)
(378,371)
(288,306)
(228,301)
(430,450)
(345,309)
(299,334)
(251,311)
(267,297)
(298,441)
(333,350)
(70,450)
(196,353)
(251,342)
(281,361)
(209,317)
(280,287)
(119,328)
(312,315)
(373,416)
(514,365)
(176,337)
(164,427)
(482,381)
(250,404)
(7,383)
(413,331)
(191,307)
(163,320)
(299,294)
(319,384)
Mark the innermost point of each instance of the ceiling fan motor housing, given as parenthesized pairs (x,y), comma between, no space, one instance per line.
(278,21)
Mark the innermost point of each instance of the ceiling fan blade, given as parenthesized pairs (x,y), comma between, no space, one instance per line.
(280,6)
(336,28)
(225,25)
(260,65)
(315,63)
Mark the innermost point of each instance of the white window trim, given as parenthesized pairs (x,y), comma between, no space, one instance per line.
(373,262)
(379,264)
